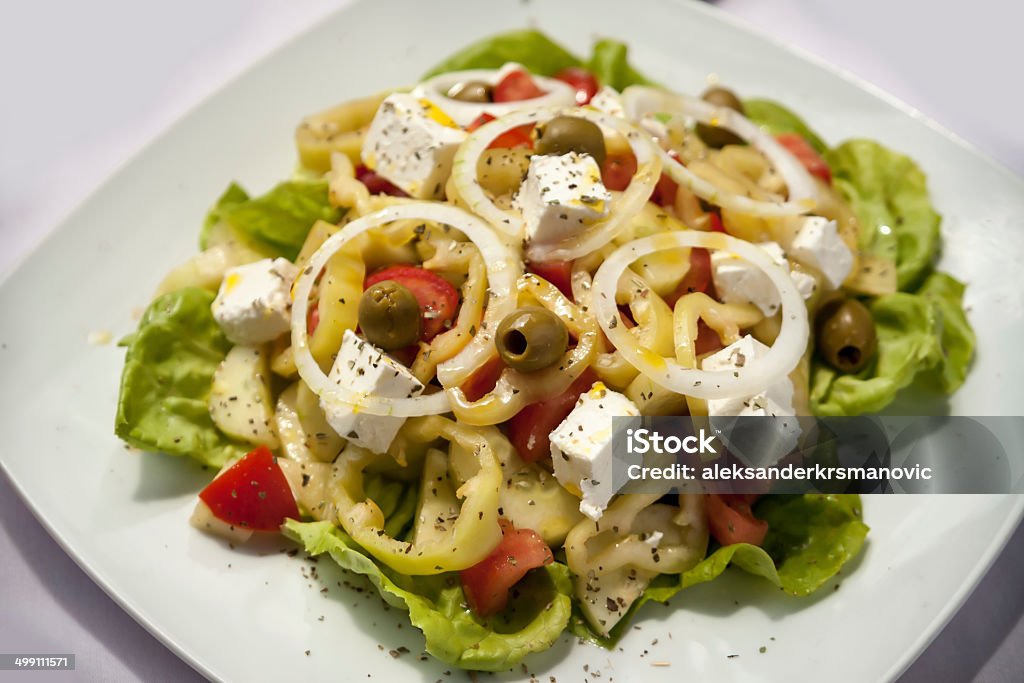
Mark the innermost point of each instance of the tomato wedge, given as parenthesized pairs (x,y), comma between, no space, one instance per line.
(806,155)
(716,222)
(530,429)
(697,278)
(585,82)
(521,136)
(438,299)
(377,184)
(313,319)
(617,170)
(731,520)
(517,85)
(665,191)
(483,379)
(252,494)
(558,273)
(487,583)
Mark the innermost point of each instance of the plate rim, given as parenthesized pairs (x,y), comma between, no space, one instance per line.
(951,605)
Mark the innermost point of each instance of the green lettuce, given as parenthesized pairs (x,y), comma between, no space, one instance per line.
(610,64)
(889,194)
(925,333)
(168,371)
(279,219)
(235,194)
(778,120)
(531,48)
(810,538)
(543,56)
(436,604)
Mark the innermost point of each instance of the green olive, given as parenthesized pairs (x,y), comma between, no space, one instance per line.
(389,316)
(472,91)
(714,136)
(564,134)
(531,338)
(846,334)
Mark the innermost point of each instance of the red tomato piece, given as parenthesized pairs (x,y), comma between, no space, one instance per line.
(697,278)
(516,86)
(522,136)
(665,191)
(806,155)
(731,520)
(438,299)
(313,319)
(618,170)
(558,273)
(487,583)
(585,82)
(530,429)
(708,340)
(252,494)
(716,222)
(377,184)
(483,379)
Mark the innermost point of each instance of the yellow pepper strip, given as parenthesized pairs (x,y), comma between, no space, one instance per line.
(338,129)
(725,319)
(470,538)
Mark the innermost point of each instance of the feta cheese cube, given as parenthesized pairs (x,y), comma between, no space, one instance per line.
(365,369)
(805,283)
(776,399)
(608,100)
(254,302)
(561,197)
(758,443)
(739,281)
(411,143)
(581,447)
(817,244)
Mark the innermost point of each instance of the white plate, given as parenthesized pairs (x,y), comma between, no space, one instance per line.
(242,616)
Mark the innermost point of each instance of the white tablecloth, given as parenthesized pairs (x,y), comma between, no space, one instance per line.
(85,84)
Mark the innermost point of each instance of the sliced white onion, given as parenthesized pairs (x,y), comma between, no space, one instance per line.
(759,373)
(502,271)
(464,172)
(641,101)
(556,93)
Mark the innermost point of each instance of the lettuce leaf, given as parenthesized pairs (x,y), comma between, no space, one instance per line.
(610,64)
(436,604)
(889,194)
(917,333)
(531,48)
(543,56)
(231,196)
(168,370)
(280,219)
(810,538)
(777,120)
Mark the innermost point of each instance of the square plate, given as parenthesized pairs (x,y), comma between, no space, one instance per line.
(251,614)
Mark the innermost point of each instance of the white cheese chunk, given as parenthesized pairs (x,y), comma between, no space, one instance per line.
(817,244)
(411,143)
(757,443)
(365,369)
(776,399)
(561,197)
(581,447)
(738,281)
(254,303)
(608,100)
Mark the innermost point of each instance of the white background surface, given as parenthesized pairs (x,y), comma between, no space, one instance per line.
(84,85)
